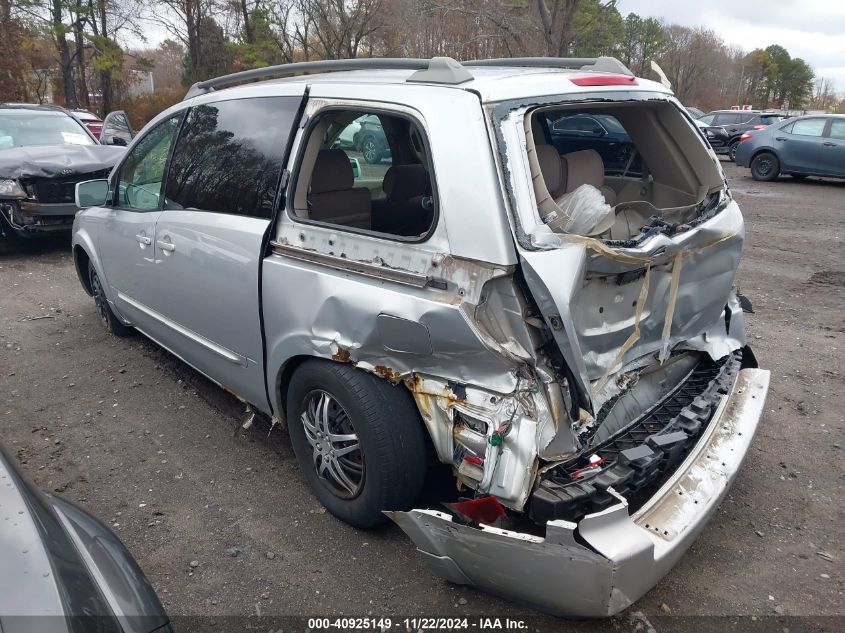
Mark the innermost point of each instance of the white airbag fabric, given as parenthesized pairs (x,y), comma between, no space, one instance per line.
(582,211)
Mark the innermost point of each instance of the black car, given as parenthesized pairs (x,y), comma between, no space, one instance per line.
(737,122)
(718,137)
(44,152)
(63,571)
(601,132)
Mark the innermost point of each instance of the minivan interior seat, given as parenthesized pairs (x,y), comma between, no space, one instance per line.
(585,167)
(332,196)
(403,211)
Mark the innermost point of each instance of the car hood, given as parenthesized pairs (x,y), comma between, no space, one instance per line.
(57,160)
(53,554)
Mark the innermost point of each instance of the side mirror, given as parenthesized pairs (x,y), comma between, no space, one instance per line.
(91,193)
(114,140)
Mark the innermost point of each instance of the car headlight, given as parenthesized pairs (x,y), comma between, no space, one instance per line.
(10,189)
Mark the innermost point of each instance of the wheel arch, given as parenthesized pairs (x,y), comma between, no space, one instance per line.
(289,367)
(81,259)
(764,150)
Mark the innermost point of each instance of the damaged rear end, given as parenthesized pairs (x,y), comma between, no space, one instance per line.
(635,396)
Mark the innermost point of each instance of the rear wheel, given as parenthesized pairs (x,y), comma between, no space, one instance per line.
(104,311)
(358,439)
(765,166)
(732,150)
(372,149)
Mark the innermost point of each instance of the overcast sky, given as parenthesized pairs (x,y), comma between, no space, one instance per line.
(811,29)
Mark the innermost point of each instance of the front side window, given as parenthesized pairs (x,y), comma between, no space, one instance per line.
(230,156)
(808,127)
(141,174)
(366,171)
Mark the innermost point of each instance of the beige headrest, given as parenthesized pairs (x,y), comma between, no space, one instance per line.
(332,172)
(551,168)
(583,168)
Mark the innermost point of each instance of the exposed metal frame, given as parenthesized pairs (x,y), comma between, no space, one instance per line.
(438,70)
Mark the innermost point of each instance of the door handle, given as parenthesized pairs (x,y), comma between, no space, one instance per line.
(166,246)
(780,138)
(143,239)
(829,144)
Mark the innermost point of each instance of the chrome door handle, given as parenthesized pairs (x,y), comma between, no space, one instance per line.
(829,144)
(166,246)
(780,138)
(143,239)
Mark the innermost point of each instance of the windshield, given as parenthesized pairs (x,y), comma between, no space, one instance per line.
(26,128)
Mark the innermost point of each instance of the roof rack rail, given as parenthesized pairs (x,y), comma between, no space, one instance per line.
(443,70)
(595,64)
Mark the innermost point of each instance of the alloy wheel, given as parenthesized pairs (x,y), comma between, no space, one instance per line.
(337,455)
(370,150)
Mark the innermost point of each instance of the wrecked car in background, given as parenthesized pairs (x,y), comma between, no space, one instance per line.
(552,319)
(44,152)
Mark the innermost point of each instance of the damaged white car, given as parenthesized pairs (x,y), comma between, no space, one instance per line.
(536,290)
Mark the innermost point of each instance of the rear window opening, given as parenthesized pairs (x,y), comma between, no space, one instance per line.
(366,171)
(616,171)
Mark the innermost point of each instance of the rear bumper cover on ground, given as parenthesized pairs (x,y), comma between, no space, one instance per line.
(609,559)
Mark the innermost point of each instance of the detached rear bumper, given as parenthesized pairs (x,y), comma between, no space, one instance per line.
(609,559)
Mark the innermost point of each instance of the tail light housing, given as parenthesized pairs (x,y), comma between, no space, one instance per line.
(745,137)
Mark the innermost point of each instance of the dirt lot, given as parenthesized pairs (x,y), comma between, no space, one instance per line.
(145,443)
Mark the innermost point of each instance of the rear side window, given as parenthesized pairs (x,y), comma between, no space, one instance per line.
(768,119)
(727,119)
(230,156)
(597,131)
(837,128)
(808,127)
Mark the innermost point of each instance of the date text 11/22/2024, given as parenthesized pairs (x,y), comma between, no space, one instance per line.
(418,623)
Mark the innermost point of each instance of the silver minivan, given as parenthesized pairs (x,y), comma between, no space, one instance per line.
(531,287)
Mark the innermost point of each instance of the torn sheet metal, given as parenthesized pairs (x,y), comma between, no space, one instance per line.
(616,557)
(612,312)
(48,161)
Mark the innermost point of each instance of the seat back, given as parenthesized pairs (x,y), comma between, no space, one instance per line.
(585,167)
(403,212)
(332,196)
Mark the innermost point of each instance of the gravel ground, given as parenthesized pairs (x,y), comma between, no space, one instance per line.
(145,443)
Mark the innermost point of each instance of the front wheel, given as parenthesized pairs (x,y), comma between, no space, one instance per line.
(104,311)
(358,440)
(765,166)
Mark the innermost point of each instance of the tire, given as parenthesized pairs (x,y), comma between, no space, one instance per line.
(384,465)
(371,149)
(732,150)
(101,304)
(765,166)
